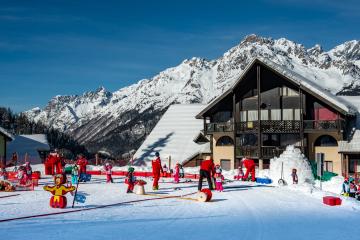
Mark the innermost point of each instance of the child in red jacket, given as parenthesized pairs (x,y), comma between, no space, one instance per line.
(108,171)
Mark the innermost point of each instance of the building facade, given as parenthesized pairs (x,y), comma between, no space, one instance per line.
(270,107)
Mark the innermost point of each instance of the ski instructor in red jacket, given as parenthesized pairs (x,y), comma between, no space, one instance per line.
(156,170)
(207,170)
(249,164)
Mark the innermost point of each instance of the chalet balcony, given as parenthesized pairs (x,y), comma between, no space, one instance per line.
(270,126)
(219,127)
(323,125)
(267,152)
(276,126)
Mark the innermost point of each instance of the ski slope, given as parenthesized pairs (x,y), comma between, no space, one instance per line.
(243,211)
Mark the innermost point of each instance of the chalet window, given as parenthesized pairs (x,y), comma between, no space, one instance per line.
(222,116)
(289,92)
(247,140)
(288,114)
(264,114)
(271,140)
(328,166)
(275,114)
(225,164)
(252,115)
(326,141)
(225,141)
(290,139)
(297,114)
(243,117)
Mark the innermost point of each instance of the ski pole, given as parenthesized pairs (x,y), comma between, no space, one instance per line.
(77,186)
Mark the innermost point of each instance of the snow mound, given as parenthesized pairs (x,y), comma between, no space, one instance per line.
(291,158)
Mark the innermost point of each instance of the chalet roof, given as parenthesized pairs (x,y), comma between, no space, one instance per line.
(174,136)
(305,84)
(28,144)
(6,134)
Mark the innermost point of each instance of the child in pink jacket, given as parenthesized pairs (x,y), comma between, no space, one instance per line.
(219,178)
(177,173)
(108,171)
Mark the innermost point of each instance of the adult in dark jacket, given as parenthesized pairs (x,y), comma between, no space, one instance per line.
(207,170)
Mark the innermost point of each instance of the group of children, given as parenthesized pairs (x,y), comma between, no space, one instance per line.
(177,173)
(350,189)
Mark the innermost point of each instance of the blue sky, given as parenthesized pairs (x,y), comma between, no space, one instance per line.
(50,48)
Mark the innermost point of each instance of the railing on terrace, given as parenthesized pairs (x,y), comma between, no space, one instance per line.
(253,151)
(276,126)
(318,125)
(219,127)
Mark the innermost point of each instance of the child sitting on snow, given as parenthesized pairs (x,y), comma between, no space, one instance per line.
(108,171)
(219,178)
(75,174)
(130,180)
(294,176)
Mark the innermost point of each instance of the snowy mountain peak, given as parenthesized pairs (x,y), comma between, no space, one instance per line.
(117,122)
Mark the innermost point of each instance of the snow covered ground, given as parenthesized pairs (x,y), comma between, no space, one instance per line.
(243,211)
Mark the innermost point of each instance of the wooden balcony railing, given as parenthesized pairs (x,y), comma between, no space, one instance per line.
(276,126)
(219,127)
(321,125)
(267,152)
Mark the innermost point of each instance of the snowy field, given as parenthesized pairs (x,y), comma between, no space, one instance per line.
(243,211)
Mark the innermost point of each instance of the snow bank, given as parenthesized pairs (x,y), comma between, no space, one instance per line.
(291,158)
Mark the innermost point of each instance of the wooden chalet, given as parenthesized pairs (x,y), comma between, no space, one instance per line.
(270,107)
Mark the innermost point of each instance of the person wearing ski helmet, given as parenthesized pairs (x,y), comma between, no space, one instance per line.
(345,187)
(157,170)
(108,171)
(130,180)
(219,178)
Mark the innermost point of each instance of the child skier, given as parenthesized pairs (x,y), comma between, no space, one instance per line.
(240,174)
(177,173)
(352,188)
(294,176)
(74,174)
(181,171)
(165,169)
(3,174)
(108,170)
(22,176)
(345,187)
(130,180)
(82,163)
(28,170)
(219,178)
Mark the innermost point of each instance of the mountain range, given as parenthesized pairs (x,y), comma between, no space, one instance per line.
(117,122)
